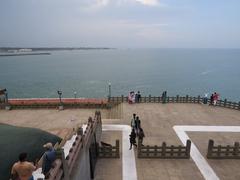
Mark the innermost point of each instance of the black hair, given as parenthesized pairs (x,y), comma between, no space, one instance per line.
(22,156)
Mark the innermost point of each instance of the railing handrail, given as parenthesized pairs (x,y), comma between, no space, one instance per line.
(80,141)
(176,99)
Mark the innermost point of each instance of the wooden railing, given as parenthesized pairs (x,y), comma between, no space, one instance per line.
(164,151)
(106,103)
(223,152)
(64,166)
(109,151)
(177,99)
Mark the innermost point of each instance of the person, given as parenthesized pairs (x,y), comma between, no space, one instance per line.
(205,99)
(22,170)
(137,125)
(215,98)
(138,97)
(133,121)
(164,97)
(141,135)
(132,139)
(211,99)
(48,158)
(131,97)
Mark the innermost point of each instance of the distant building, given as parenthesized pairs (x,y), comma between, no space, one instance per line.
(25,50)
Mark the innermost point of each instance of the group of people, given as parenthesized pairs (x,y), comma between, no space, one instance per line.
(213,99)
(134,97)
(137,131)
(23,169)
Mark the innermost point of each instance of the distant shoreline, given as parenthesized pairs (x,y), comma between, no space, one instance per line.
(29,49)
(24,54)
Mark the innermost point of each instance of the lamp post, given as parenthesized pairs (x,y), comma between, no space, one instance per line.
(6,95)
(60,96)
(109,90)
(75,94)
(7,106)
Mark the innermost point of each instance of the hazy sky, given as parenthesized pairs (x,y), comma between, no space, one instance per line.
(121,23)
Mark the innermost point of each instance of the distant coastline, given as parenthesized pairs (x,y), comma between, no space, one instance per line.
(33,49)
(25,54)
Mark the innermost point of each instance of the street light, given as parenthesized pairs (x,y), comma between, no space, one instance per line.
(75,94)
(6,95)
(60,96)
(109,90)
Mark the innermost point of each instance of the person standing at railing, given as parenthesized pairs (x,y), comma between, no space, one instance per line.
(22,170)
(215,98)
(205,99)
(211,100)
(138,97)
(48,158)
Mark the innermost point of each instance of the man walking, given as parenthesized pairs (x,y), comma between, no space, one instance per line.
(133,122)
(137,125)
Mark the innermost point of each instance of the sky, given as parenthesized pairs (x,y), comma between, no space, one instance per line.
(120,23)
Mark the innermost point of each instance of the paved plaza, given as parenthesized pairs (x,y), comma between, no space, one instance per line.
(157,121)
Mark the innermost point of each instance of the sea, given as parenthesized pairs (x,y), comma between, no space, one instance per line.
(93,73)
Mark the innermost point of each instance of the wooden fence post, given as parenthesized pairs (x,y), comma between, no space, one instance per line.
(225,102)
(188,148)
(122,98)
(80,131)
(227,150)
(177,98)
(186,99)
(198,100)
(164,149)
(149,98)
(219,147)
(236,148)
(155,150)
(117,149)
(210,147)
(147,151)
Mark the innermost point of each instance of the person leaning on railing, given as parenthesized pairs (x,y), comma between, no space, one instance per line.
(48,158)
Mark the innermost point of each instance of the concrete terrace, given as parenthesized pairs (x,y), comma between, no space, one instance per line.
(157,121)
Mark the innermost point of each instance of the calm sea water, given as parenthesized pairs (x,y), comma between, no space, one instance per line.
(151,71)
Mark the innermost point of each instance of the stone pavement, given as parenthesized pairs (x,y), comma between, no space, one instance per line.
(157,122)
